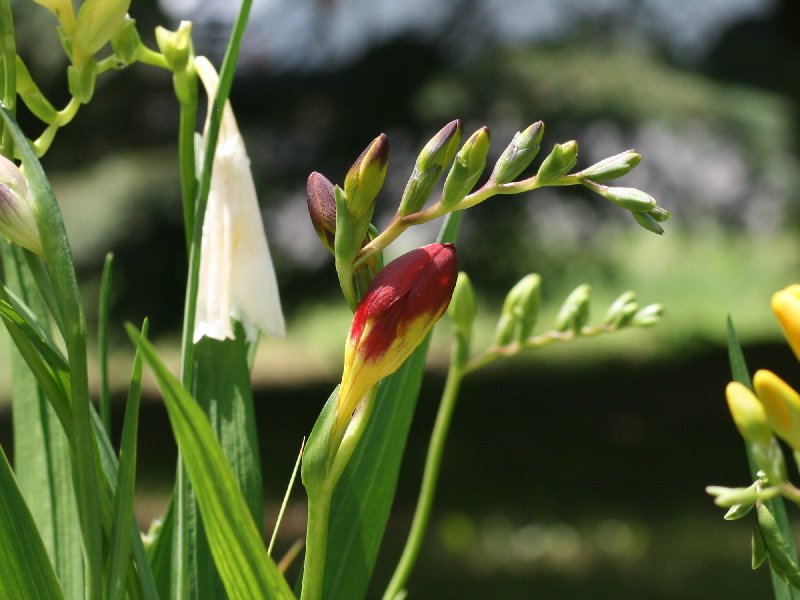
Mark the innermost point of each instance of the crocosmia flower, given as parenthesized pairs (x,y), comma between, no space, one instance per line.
(786,306)
(237,279)
(398,310)
(781,405)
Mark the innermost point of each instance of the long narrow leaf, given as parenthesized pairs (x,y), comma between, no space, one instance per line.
(780,587)
(24,565)
(246,569)
(41,447)
(126,478)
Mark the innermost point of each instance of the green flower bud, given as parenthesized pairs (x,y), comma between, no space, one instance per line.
(322,208)
(558,163)
(575,311)
(434,157)
(659,214)
(17,219)
(32,96)
(176,46)
(621,311)
(519,154)
(80,81)
(126,42)
(365,178)
(647,316)
(520,311)
(462,307)
(628,198)
(612,167)
(467,167)
(646,220)
(98,21)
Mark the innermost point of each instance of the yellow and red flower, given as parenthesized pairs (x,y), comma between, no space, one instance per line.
(400,307)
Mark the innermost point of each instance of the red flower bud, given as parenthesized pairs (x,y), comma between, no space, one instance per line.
(400,307)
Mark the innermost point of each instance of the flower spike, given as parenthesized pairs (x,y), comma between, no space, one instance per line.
(398,310)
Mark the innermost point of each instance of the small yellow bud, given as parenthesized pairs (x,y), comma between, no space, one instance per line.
(98,21)
(781,405)
(786,306)
(748,414)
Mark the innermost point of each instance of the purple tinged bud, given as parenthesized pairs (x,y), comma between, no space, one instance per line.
(365,178)
(467,167)
(17,219)
(519,154)
(322,208)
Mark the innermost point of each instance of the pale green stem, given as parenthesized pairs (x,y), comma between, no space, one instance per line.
(437,209)
(430,478)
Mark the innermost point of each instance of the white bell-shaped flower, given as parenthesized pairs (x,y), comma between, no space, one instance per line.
(237,279)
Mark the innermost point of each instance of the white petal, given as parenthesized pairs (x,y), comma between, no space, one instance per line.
(237,278)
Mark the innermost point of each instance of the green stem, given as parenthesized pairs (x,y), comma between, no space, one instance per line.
(186,131)
(430,478)
(319,508)
(102,343)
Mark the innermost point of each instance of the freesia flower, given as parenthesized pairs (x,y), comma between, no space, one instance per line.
(400,307)
(17,221)
(237,279)
(786,306)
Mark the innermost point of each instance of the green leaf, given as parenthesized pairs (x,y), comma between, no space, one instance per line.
(122,515)
(246,569)
(222,389)
(781,588)
(41,448)
(25,567)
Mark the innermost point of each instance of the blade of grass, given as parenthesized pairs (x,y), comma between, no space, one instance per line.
(25,567)
(781,588)
(102,341)
(246,569)
(126,478)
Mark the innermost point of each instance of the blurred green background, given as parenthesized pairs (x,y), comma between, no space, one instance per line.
(573,472)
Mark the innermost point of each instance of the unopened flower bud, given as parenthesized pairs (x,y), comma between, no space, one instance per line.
(400,307)
(748,414)
(575,311)
(621,311)
(519,154)
(98,21)
(520,311)
(558,163)
(64,12)
(434,157)
(786,306)
(126,42)
(628,198)
(659,214)
(467,167)
(365,178)
(648,316)
(462,307)
(781,405)
(17,221)
(322,208)
(648,221)
(613,166)
(176,46)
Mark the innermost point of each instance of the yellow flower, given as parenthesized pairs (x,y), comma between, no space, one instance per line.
(748,413)
(237,279)
(781,405)
(786,306)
